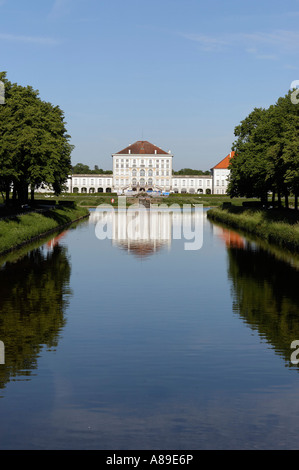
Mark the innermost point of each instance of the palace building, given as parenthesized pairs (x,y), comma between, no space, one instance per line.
(143,166)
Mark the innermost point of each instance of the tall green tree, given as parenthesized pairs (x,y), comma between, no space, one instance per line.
(35,148)
(248,167)
(81,169)
(266,157)
(189,171)
(290,151)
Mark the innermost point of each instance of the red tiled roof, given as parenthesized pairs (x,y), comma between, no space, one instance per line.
(142,147)
(223,165)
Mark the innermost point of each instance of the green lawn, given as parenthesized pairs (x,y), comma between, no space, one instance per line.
(93,200)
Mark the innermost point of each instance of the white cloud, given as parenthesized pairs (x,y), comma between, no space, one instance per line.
(209,43)
(263,44)
(60,8)
(283,40)
(291,67)
(267,56)
(29,39)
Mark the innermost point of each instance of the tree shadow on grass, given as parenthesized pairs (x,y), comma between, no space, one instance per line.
(60,219)
(8,220)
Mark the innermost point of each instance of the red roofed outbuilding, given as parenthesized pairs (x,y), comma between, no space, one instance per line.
(220,173)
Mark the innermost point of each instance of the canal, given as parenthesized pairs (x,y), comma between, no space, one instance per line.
(120,343)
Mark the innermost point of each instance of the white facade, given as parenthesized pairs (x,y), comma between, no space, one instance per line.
(91,184)
(143,167)
(193,184)
(220,174)
(220,180)
(133,180)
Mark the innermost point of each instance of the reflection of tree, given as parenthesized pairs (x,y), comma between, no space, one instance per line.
(33,298)
(266,296)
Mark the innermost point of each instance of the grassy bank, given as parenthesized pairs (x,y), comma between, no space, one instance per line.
(94,200)
(19,230)
(280,227)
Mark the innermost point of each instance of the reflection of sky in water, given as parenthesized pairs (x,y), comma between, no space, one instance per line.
(153,356)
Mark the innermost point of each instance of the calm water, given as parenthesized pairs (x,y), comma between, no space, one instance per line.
(119,344)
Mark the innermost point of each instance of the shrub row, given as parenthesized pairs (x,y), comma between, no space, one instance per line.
(275,226)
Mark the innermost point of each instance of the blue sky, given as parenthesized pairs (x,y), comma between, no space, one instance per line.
(179,73)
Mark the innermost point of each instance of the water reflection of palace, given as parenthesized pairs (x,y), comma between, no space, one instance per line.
(230,238)
(56,240)
(143,232)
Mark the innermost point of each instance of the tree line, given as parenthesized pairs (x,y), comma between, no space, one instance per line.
(35,147)
(266,159)
(189,171)
(82,169)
